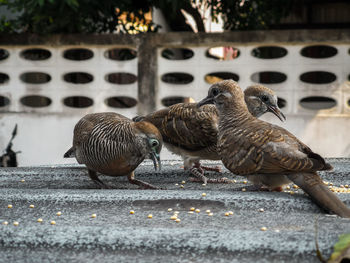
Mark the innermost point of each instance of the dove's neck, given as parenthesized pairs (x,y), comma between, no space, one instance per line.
(233,113)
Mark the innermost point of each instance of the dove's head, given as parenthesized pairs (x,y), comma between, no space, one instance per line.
(151,141)
(260,100)
(225,94)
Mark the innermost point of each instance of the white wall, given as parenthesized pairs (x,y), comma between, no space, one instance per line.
(44,134)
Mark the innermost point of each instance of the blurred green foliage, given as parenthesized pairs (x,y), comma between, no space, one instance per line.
(341,249)
(250,14)
(95,16)
(72,16)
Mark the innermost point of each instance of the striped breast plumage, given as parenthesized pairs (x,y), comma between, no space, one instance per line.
(106,143)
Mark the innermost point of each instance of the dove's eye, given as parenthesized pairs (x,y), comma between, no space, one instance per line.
(154,143)
(264,98)
(215,91)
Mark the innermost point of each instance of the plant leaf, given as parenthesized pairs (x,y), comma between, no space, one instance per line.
(341,249)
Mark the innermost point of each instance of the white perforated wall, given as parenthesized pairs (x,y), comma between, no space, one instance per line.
(45,132)
(57,89)
(293,65)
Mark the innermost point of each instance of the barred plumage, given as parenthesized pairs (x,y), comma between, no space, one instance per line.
(191,132)
(267,153)
(113,145)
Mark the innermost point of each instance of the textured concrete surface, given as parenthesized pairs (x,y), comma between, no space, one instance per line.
(117,236)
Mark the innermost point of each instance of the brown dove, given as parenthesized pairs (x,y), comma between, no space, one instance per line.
(191,132)
(114,145)
(251,147)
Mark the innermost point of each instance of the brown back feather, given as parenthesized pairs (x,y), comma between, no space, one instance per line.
(186,126)
(261,147)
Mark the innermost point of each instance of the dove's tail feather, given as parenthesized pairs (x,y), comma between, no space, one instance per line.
(320,161)
(313,185)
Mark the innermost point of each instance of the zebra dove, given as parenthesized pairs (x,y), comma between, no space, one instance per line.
(249,146)
(191,132)
(112,144)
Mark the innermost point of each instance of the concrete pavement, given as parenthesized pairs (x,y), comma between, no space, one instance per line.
(115,235)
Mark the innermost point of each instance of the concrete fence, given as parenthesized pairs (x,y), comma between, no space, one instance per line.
(47,83)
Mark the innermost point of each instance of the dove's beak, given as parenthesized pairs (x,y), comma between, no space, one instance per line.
(275,110)
(207,100)
(156,161)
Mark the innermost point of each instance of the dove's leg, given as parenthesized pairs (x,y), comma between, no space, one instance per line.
(145,185)
(96,180)
(199,175)
(222,180)
(313,185)
(198,172)
(207,168)
(212,169)
(190,162)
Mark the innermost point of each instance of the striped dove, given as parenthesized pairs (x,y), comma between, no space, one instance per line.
(265,152)
(191,132)
(114,145)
